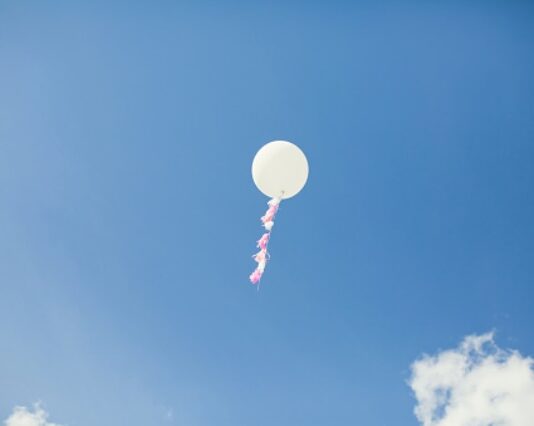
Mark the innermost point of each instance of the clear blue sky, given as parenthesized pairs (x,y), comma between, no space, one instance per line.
(128,215)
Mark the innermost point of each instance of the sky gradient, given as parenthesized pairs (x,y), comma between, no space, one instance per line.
(129,215)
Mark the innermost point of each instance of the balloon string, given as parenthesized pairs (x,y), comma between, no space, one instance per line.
(262,256)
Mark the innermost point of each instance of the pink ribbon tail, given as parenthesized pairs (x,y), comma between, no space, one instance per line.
(263,255)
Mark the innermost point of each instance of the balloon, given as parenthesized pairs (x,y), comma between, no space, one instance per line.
(280,169)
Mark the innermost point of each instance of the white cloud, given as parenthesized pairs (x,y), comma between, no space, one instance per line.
(475,384)
(21,416)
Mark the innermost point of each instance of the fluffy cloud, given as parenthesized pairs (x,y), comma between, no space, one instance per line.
(21,416)
(475,384)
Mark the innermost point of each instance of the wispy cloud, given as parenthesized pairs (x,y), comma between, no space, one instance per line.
(22,416)
(476,384)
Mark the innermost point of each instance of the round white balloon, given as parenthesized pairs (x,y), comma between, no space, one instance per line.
(280,169)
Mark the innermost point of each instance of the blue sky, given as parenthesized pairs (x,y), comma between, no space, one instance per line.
(129,215)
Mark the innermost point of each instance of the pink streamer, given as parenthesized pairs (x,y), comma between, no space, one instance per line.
(263,255)
(264,240)
(255,276)
(270,214)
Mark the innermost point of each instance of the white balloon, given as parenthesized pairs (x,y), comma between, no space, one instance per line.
(280,169)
